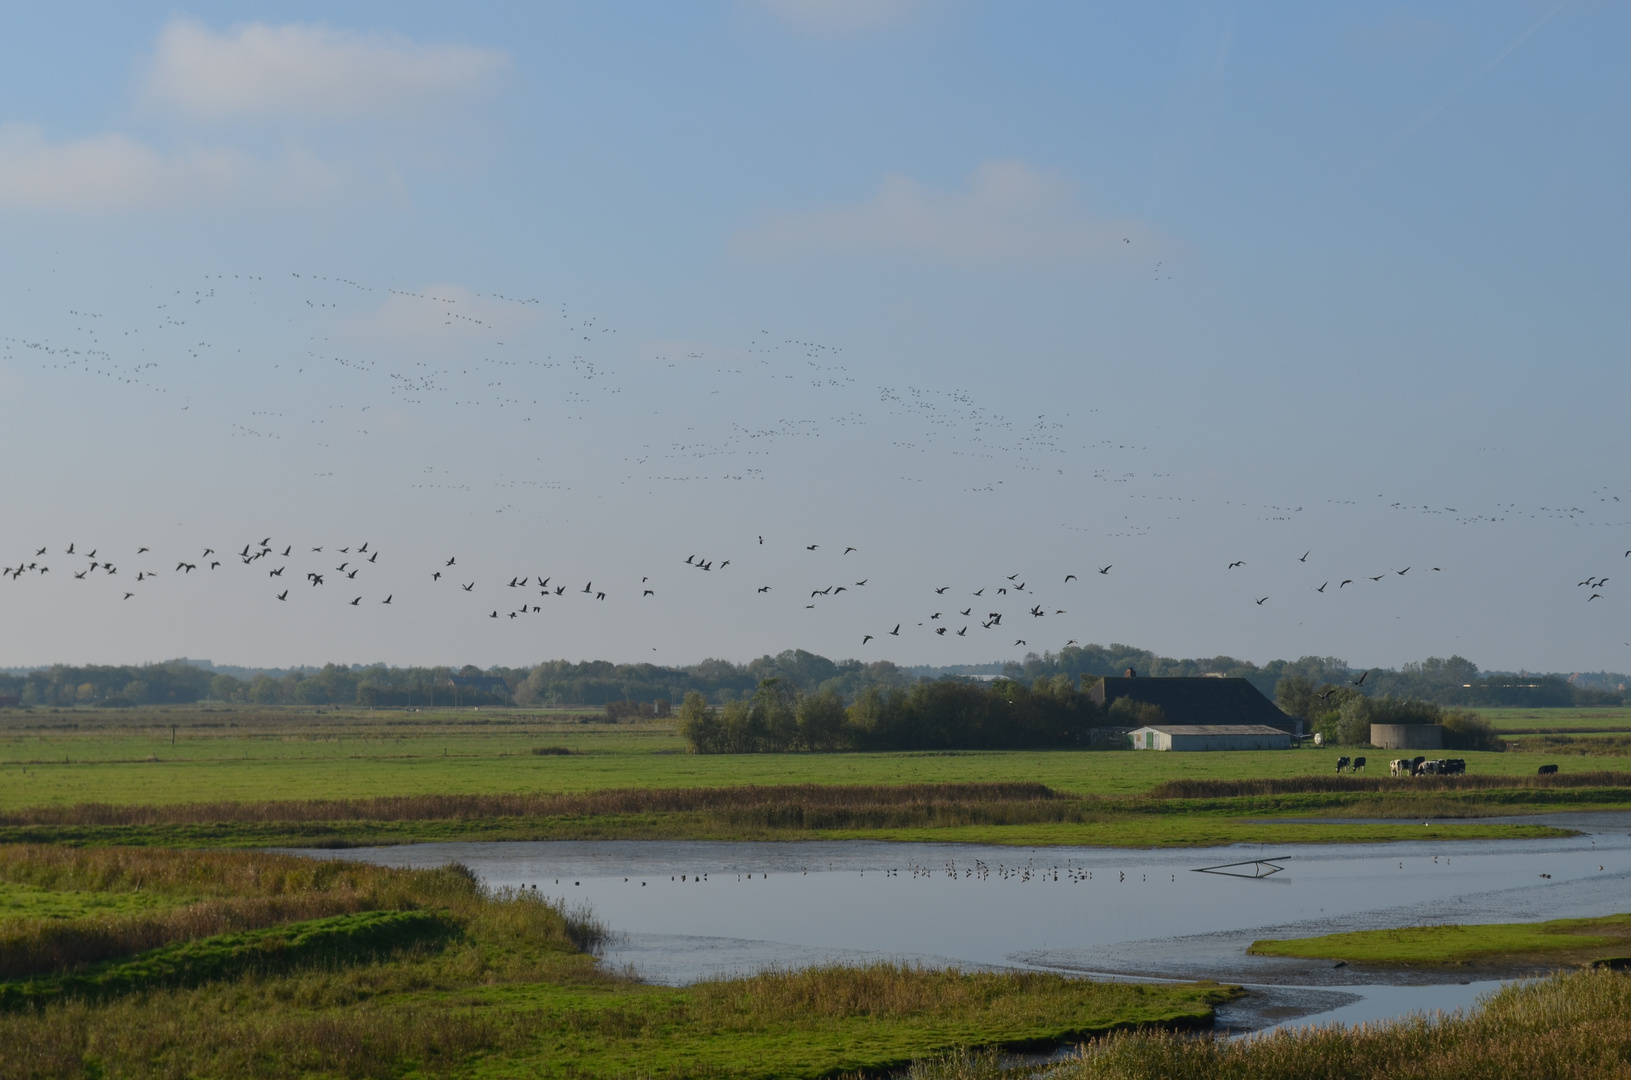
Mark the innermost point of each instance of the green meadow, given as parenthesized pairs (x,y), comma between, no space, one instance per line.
(85,756)
(203,777)
(1560,941)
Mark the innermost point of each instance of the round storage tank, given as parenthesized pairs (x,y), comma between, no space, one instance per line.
(1407,736)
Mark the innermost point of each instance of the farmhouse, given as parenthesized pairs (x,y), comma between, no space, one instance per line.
(1209,737)
(1205,700)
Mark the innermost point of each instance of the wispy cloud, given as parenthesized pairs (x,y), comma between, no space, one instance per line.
(1009,212)
(841,16)
(303,78)
(114,172)
(439,316)
(311,72)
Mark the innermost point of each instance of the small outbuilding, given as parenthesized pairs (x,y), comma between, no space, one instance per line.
(1209,737)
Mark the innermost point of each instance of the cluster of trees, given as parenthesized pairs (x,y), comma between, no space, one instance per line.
(596,684)
(940,714)
(1343,715)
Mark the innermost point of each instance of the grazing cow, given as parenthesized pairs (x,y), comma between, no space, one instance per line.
(1399,766)
(1428,768)
(1546,770)
(1415,765)
(1359,764)
(1342,764)
(1453,767)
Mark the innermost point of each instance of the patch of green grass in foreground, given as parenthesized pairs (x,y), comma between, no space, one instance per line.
(448,978)
(1561,941)
(19,901)
(336,939)
(1575,1025)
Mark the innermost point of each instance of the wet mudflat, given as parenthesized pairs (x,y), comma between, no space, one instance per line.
(691,909)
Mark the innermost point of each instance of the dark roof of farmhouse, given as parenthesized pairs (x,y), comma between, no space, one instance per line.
(1187,701)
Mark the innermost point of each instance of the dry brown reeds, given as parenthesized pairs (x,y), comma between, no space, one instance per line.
(1304,785)
(808,797)
(1575,1026)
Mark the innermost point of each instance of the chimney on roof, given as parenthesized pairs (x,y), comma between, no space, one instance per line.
(1131,674)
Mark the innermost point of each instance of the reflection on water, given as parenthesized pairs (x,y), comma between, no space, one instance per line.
(691,909)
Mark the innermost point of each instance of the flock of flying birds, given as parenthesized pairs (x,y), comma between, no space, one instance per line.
(995,605)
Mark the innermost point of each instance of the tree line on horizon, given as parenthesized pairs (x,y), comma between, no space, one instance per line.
(596,684)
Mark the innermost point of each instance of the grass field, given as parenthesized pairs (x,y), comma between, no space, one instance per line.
(369,971)
(1560,941)
(1605,718)
(259,777)
(363,754)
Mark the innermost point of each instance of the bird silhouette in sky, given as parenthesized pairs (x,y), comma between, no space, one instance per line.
(468,587)
(1261,602)
(284,595)
(357,601)
(1322,587)
(387,600)
(1306,554)
(1361,680)
(866,639)
(896,631)
(1105,569)
(1350,581)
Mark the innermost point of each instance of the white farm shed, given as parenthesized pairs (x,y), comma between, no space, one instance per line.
(1209,737)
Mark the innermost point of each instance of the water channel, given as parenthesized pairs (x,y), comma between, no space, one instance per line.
(687,910)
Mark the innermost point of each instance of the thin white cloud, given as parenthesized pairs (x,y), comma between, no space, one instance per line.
(841,16)
(1010,212)
(115,172)
(435,317)
(311,72)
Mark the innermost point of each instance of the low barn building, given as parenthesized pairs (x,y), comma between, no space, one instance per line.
(1209,737)
(1199,700)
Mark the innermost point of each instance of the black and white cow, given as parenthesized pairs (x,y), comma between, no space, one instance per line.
(1342,764)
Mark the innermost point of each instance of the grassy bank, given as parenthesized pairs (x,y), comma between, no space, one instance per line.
(1560,941)
(1186,812)
(435,975)
(1576,1025)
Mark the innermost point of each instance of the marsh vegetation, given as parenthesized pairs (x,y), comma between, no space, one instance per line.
(268,965)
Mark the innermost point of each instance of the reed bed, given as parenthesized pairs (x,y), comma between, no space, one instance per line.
(1574,1026)
(431,807)
(1310,785)
(229,892)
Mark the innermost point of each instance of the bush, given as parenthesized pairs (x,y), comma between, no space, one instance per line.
(1125,712)
(1466,730)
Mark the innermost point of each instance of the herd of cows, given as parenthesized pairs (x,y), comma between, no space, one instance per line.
(1420,766)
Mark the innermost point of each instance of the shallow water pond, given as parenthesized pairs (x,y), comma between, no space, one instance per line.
(691,909)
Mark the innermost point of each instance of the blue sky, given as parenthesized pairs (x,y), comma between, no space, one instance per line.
(579,291)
